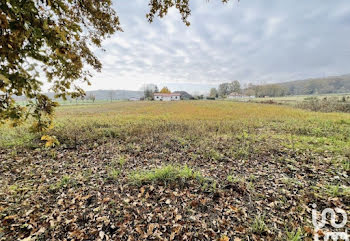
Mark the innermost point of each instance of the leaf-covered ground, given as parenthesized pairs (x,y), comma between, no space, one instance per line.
(252,172)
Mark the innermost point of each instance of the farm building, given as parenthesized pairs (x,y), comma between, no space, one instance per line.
(184,95)
(166,97)
(235,95)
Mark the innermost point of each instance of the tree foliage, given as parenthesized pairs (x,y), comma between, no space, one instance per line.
(224,89)
(49,39)
(149,90)
(236,86)
(213,93)
(165,90)
(91,97)
(52,40)
(333,84)
(271,90)
(111,95)
(227,88)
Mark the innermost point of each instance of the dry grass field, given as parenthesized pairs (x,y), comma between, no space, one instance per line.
(189,170)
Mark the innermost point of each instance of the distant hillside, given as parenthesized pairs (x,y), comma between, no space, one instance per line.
(328,85)
(116,94)
(102,94)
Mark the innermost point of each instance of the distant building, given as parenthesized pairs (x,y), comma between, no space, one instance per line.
(235,95)
(166,97)
(184,95)
(134,98)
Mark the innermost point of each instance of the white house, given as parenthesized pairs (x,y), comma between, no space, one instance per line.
(166,97)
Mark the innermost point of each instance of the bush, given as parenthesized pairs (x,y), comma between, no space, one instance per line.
(210,98)
(325,105)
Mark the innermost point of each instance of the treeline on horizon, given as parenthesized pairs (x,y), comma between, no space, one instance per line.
(329,85)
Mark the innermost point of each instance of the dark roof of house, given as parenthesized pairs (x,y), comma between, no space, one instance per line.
(184,94)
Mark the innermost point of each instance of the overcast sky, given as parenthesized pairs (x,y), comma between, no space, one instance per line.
(252,41)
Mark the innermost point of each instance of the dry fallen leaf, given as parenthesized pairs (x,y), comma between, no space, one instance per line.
(101,234)
(27,239)
(224,238)
(150,229)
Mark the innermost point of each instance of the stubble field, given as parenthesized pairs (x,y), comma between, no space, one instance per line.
(189,170)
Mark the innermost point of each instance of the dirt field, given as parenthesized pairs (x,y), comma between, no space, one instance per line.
(188,170)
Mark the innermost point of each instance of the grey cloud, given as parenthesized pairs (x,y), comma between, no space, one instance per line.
(252,41)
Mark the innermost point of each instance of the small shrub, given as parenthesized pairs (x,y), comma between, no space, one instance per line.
(122,161)
(337,190)
(294,235)
(241,153)
(87,174)
(230,178)
(250,186)
(113,173)
(291,182)
(311,98)
(214,186)
(346,165)
(252,178)
(14,188)
(259,225)
(212,154)
(66,181)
